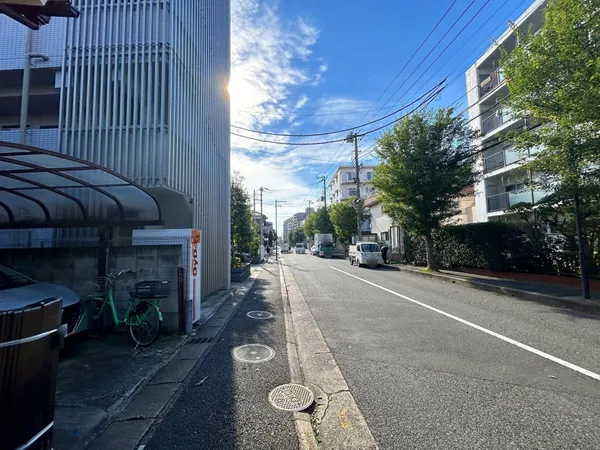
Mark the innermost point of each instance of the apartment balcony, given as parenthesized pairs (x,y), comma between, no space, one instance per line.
(497,118)
(495,79)
(498,157)
(500,202)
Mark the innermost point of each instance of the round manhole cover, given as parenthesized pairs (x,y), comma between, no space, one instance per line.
(259,315)
(253,353)
(291,397)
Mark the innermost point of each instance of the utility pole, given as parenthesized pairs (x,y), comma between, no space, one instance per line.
(353,137)
(276,235)
(324,179)
(26,83)
(309,202)
(262,238)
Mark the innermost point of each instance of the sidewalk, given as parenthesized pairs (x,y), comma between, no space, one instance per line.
(559,295)
(223,403)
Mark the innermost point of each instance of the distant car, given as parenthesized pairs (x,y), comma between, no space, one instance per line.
(18,291)
(285,248)
(300,249)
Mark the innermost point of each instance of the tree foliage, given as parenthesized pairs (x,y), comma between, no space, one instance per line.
(241,216)
(553,79)
(318,222)
(425,166)
(296,236)
(343,217)
(310,224)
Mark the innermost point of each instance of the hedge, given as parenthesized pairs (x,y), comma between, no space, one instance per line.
(488,245)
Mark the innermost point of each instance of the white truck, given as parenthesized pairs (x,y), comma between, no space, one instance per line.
(365,253)
(285,248)
(324,245)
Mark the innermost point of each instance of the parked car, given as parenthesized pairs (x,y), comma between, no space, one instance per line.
(300,249)
(365,253)
(17,291)
(285,248)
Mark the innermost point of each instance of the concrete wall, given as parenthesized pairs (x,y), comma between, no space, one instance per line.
(77,268)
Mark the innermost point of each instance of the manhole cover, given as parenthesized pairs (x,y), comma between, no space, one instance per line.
(264,291)
(291,397)
(259,314)
(253,353)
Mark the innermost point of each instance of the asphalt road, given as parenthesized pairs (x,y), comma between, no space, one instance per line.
(436,365)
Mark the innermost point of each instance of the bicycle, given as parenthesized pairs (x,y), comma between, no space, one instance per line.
(143,316)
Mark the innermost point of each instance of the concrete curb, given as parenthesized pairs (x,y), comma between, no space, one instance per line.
(304,430)
(586,306)
(336,420)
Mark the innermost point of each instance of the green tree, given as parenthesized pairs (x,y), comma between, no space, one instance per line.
(296,236)
(310,225)
(270,238)
(241,215)
(425,166)
(553,79)
(322,221)
(343,217)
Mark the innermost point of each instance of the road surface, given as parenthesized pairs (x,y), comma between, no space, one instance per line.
(436,365)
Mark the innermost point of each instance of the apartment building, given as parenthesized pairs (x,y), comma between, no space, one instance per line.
(140,88)
(295,222)
(504,182)
(343,185)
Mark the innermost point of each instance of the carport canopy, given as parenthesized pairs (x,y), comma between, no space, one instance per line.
(45,189)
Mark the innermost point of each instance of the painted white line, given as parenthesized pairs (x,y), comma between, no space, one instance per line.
(562,362)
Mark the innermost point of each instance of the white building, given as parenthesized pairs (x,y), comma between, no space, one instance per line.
(140,88)
(504,181)
(295,222)
(381,224)
(343,185)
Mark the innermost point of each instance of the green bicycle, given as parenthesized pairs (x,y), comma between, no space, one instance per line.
(143,316)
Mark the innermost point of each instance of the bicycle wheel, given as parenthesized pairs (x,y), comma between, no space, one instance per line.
(144,323)
(100,320)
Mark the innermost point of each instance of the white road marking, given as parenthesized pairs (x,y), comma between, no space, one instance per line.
(562,362)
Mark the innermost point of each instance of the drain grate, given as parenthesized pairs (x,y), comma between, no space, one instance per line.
(259,315)
(291,397)
(200,340)
(253,353)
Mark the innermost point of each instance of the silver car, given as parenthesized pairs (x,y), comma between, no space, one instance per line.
(18,291)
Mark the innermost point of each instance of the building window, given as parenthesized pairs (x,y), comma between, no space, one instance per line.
(385,236)
(369,175)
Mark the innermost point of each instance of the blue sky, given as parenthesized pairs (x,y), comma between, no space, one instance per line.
(310,66)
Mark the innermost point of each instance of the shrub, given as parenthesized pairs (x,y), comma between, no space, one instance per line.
(235,262)
(489,245)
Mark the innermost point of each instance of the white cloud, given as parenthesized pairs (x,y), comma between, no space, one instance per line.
(342,111)
(301,102)
(323,68)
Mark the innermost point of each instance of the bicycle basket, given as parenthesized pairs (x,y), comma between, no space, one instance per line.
(152,289)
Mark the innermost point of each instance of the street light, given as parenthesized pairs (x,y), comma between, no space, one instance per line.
(25,89)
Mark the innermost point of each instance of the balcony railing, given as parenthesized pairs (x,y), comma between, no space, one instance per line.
(496,159)
(495,79)
(498,202)
(498,118)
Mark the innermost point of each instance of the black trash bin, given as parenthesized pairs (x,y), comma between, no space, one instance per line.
(30,340)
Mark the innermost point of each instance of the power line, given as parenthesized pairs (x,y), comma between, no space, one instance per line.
(412,57)
(428,54)
(443,51)
(345,129)
(462,71)
(426,101)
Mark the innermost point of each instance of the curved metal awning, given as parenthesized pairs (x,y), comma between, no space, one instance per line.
(44,189)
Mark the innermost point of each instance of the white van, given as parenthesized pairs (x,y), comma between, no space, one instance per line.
(300,248)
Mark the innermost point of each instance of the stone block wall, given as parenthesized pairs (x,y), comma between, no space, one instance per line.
(77,268)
